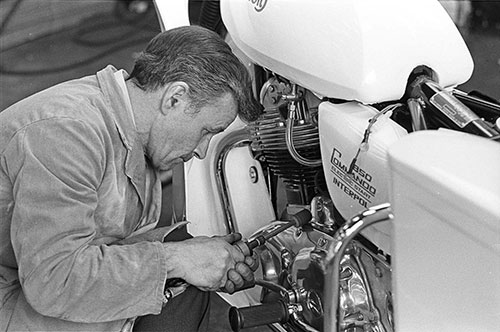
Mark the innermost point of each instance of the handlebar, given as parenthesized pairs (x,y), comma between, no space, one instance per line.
(262,314)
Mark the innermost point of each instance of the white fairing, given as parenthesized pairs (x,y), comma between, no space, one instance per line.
(248,198)
(446,241)
(341,130)
(360,50)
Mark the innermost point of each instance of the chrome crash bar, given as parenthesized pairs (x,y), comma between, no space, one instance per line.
(234,139)
(336,251)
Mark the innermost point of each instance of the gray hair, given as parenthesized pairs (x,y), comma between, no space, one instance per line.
(203,60)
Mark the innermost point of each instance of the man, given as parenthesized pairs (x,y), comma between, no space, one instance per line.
(80,191)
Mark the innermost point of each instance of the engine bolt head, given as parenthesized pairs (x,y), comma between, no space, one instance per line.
(254,175)
(314,304)
(298,232)
(322,242)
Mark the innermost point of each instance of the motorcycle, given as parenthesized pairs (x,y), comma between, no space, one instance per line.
(369,188)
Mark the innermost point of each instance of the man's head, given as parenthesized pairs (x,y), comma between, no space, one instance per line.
(203,60)
(202,86)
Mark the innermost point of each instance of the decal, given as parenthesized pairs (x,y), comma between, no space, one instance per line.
(449,107)
(357,184)
(259,5)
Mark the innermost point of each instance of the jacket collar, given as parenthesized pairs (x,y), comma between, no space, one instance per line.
(120,108)
(121,112)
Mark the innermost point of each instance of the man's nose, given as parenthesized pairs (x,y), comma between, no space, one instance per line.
(201,150)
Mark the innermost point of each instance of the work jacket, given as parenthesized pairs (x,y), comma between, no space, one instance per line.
(73,181)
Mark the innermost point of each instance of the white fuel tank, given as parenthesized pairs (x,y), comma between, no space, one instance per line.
(360,50)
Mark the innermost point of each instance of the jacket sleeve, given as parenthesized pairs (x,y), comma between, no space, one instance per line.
(56,169)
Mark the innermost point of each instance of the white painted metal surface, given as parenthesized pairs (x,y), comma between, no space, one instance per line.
(341,131)
(172,13)
(446,203)
(250,200)
(360,50)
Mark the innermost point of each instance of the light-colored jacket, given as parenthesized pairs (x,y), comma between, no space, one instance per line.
(73,181)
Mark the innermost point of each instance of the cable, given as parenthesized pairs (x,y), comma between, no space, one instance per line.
(9,15)
(67,29)
(137,22)
(69,66)
(363,146)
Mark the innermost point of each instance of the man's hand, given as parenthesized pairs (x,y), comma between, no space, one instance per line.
(204,261)
(241,276)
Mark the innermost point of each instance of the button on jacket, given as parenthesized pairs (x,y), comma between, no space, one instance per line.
(73,181)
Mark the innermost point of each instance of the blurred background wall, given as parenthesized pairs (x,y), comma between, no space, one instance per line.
(46,42)
(479,23)
(23,21)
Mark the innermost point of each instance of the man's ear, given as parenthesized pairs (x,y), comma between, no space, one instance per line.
(175,96)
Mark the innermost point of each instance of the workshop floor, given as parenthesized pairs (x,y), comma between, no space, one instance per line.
(105,39)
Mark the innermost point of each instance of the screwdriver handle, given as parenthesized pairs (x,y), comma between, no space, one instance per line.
(247,247)
(298,220)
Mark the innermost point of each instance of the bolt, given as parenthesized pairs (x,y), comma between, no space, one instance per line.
(317,256)
(320,203)
(254,175)
(322,242)
(298,233)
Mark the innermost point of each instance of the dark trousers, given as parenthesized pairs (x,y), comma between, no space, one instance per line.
(187,312)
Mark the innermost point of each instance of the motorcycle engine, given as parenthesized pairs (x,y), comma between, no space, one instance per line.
(286,139)
(293,272)
(272,141)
